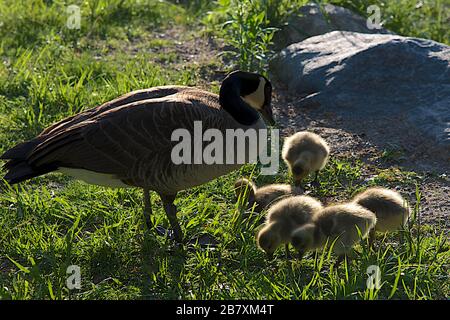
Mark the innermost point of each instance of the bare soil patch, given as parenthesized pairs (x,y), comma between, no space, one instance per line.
(434,182)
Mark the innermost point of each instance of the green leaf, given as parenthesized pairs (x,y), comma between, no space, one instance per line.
(18,265)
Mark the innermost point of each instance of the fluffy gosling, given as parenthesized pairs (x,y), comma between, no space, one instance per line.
(339,223)
(390,208)
(265,196)
(305,152)
(282,218)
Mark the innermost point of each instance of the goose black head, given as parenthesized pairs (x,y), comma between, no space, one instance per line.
(244,94)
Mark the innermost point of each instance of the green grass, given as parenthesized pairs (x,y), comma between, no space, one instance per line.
(49,72)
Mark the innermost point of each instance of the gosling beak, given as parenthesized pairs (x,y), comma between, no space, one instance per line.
(266,112)
(298,182)
(300,255)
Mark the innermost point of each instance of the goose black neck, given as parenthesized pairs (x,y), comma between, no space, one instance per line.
(231,101)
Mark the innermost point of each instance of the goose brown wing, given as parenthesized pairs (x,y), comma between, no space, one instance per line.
(125,141)
(138,95)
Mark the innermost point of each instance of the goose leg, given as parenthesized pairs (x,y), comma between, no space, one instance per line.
(171,212)
(315,182)
(288,252)
(401,236)
(147,208)
(371,238)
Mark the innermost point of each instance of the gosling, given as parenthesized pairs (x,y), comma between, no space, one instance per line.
(390,208)
(284,217)
(339,224)
(305,152)
(262,198)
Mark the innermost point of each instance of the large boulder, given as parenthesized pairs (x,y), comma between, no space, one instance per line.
(395,88)
(313,20)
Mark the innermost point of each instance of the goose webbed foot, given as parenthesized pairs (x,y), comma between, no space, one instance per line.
(171,211)
(372,238)
(163,232)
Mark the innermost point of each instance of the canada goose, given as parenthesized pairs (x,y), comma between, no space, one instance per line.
(265,196)
(390,208)
(338,224)
(305,152)
(127,142)
(282,218)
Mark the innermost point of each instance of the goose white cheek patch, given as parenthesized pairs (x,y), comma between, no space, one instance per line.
(256,99)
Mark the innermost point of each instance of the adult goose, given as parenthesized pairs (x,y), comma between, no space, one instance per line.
(127,142)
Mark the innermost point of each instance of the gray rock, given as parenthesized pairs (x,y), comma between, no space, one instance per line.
(313,20)
(394,88)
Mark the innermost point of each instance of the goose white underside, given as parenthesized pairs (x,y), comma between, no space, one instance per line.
(91,177)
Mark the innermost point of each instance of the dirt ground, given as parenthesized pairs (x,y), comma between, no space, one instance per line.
(434,180)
